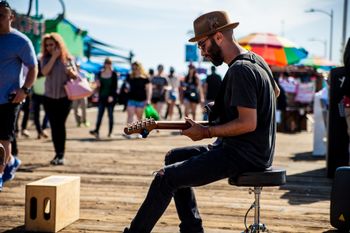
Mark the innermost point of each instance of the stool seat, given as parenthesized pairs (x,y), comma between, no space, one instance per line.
(272,176)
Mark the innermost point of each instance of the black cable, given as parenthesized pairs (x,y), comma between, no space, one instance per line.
(246,214)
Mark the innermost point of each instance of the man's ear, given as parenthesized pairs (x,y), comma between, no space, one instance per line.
(218,37)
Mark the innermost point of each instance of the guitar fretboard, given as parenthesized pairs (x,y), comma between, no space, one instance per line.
(176,124)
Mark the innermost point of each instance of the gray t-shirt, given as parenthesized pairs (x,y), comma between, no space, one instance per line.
(247,84)
(55,80)
(159,83)
(15,50)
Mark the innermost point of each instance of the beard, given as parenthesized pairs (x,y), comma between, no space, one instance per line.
(215,53)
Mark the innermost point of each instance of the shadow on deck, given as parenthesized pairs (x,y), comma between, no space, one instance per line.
(18,229)
(309,186)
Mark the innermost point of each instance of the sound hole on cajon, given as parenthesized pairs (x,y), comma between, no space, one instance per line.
(33,207)
(47,209)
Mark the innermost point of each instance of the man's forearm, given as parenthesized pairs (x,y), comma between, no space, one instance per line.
(245,123)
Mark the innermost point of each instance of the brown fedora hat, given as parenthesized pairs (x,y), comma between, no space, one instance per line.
(210,23)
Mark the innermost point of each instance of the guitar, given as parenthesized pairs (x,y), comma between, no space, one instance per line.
(144,127)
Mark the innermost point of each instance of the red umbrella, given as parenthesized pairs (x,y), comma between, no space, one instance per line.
(276,50)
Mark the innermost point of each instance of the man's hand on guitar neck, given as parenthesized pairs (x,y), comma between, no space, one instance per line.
(197,131)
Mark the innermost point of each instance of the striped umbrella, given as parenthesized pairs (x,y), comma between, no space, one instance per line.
(318,63)
(276,50)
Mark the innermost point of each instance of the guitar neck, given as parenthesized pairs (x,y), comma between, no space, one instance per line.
(177,124)
(144,127)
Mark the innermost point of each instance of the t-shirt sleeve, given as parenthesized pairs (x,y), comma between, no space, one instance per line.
(27,54)
(242,88)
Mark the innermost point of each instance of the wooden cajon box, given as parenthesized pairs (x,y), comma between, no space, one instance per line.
(52,203)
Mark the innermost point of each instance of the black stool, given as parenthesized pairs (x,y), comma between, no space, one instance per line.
(270,177)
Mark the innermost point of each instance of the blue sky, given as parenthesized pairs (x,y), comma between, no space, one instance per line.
(157,30)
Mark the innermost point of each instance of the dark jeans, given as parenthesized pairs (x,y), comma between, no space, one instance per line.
(8,119)
(14,147)
(25,108)
(57,111)
(186,168)
(37,101)
(102,105)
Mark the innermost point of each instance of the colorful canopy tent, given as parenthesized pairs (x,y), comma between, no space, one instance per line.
(72,35)
(317,62)
(95,67)
(95,48)
(78,42)
(276,50)
(89,40)
(33,27)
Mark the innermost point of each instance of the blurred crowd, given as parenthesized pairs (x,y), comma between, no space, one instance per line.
(173,96)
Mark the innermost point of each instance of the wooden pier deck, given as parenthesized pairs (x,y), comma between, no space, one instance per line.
(116,173)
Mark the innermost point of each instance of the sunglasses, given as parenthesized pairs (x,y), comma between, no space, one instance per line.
(201,44)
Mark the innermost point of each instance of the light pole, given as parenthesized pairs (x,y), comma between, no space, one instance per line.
(344,26)
(330,14)
(324,42)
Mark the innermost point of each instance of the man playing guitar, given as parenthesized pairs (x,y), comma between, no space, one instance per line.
(245,108)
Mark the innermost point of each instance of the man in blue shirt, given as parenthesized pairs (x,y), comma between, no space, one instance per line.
(16,51)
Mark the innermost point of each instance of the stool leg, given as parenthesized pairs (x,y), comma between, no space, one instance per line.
(257,227)
(257,191)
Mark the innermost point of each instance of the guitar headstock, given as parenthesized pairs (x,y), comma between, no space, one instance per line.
(143,127)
